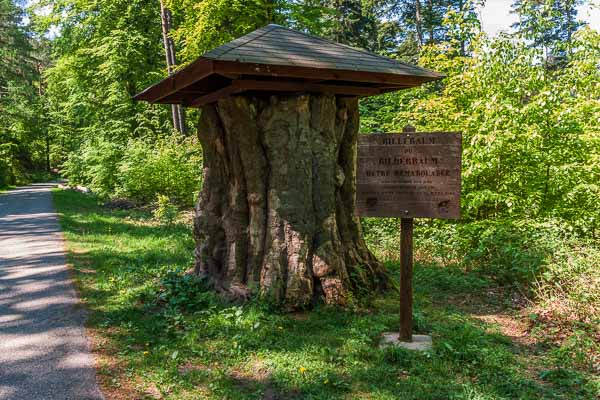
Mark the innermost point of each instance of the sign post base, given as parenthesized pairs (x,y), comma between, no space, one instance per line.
(418,343)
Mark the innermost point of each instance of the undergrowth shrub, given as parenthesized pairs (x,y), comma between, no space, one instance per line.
(95,166)
(6,173)
(184,292)
(545,260)
(139,171)
(539,257)
(383,236)
(165,211)
(17,171)
(180,292)
(170,167)
(510,253)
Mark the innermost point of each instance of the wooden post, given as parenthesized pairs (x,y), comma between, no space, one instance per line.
(406,264)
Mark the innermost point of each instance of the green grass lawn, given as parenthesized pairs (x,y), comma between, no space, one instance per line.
(157,334)
(6,188)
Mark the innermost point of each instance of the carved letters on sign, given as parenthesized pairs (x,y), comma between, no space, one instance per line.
(409,175)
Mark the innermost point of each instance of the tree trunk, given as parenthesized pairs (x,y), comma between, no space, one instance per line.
(419,23)
(166,19)
(431,21)
(276,212)
(47,136)
(463,45)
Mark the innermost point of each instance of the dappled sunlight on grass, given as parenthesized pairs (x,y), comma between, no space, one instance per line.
(171,335)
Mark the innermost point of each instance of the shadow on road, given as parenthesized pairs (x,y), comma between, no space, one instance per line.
(44,353)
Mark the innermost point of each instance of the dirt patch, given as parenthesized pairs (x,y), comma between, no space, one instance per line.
(87,271)
(111,374)
(120,204)
(510,326)
(189,367)
(259,374)
(300,316)
(152,392)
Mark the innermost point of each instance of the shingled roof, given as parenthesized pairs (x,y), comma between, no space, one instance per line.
(277,59)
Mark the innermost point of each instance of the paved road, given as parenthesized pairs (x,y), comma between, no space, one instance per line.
(44,353)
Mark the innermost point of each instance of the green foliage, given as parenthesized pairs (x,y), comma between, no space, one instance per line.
(141,170)
(95,166)
(22,130)
(183,293)
(531,144)
(211,23)
(170,167)
(104,53)
(165,211)
(383,236)
(548,24)
(174,334)
(543,257)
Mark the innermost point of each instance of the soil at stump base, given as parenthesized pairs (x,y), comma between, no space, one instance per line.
(276,212)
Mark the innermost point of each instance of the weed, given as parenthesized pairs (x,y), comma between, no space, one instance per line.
(165,211)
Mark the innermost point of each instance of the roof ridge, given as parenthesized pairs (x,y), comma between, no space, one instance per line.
(358,50)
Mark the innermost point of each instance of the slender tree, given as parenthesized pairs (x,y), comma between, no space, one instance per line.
(427,21)
(548,24)
(166,18)
(419,22)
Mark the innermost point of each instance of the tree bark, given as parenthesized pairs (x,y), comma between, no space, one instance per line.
(419,23)
(47,136)
(276,212)
(431,22)
(166,22)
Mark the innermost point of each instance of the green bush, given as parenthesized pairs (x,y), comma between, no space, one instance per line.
(545,259)
(140,171)
(383,236)
(181,292)
(169,167)
(165,211)
(6,177)
(12,171)
(95,166)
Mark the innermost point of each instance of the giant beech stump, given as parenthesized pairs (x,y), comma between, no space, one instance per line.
(276,212)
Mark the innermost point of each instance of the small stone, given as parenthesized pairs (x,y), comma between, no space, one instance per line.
(419,342)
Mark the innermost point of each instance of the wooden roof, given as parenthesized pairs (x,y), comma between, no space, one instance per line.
(277,59)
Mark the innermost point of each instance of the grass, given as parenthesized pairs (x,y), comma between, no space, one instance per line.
(158,335)
(31,177)
(6,188)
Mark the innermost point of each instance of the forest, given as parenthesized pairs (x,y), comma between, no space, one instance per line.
(527,102)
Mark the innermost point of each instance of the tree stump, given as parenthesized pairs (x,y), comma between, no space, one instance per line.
(276,212)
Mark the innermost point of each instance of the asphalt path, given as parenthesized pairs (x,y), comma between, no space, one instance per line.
(44,353)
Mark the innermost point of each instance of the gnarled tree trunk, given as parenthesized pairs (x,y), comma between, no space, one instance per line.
(276,212)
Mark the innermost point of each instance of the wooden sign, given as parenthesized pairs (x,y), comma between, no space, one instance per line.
(409,175)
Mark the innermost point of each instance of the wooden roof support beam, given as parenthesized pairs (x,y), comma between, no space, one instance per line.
(275,86)
(191,74)
(286,86)
(214,96)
